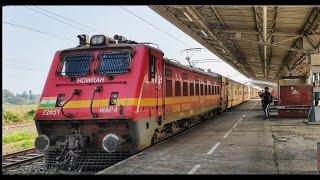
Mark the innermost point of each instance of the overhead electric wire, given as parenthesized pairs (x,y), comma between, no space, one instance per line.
(81,29)
(154,26)
(31,29)
(206,61)
(75,22)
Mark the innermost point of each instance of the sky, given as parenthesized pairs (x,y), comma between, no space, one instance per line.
(27,55)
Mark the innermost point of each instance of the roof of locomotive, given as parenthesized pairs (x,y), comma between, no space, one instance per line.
(111,45)
(188,68)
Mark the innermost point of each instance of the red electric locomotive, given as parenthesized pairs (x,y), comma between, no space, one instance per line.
(110,98)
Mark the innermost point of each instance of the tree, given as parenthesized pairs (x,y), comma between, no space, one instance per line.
(6,94)
(24,95)
(19,99)
(30,94)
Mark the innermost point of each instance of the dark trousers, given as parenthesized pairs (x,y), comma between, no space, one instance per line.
(266,110)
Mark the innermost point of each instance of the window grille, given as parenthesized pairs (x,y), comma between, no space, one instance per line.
(114,62)
(74,65)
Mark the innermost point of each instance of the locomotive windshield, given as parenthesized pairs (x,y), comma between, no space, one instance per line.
(114,62)
(76,65)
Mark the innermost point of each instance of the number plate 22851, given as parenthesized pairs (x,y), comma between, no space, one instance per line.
(50,112)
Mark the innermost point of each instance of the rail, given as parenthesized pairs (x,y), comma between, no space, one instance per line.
(20,158)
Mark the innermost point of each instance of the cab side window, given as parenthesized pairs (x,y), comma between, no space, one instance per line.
(152,67)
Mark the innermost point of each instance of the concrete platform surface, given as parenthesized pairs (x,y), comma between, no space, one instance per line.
(236,142)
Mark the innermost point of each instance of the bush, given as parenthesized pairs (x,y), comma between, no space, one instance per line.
(29,115)
(18,114)
(11,117)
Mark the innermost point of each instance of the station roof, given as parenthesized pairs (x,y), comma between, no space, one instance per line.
(262,42)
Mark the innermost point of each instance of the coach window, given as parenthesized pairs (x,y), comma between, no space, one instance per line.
(201,89)
(214,90)
(168,88)
(168,72)
(218,89)
(205,90)
(185,88)
(209,90)
(152,67)
(191,89)
(184,76)
(177,87)
(197,89)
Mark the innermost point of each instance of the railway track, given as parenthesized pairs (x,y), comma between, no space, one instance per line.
(14,160)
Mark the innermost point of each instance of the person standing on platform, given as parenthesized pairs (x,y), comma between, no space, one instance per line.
(260,95)
(266,101)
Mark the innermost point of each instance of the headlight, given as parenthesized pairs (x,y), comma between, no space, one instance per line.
(111,142)
(98,40)
(42,143)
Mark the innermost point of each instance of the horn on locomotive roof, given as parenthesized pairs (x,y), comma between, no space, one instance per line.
(118,38)
(122,39)
(83,40)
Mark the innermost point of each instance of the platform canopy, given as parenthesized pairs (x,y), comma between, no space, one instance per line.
(262,42)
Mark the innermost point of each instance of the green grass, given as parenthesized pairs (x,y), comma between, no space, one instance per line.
(17,113)
(18,136)
(21,140)
(28,144)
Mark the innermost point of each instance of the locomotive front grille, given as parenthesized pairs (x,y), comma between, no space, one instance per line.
(89,161)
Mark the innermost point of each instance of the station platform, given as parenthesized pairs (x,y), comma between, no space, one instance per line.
(236,142)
